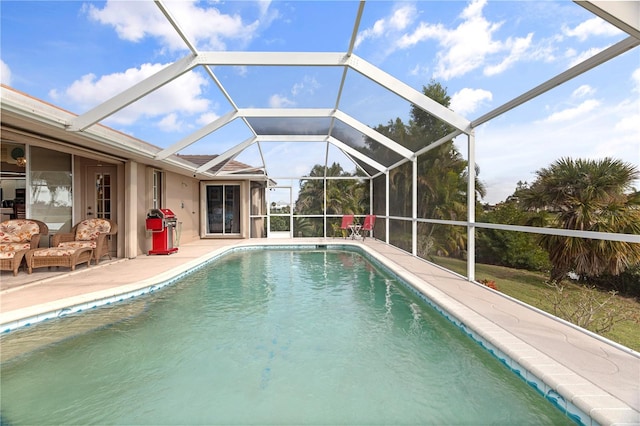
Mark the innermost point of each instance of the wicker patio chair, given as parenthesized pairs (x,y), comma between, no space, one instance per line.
(92,233)
(16,237)
(16,234)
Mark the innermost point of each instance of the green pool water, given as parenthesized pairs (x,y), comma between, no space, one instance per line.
(264,337)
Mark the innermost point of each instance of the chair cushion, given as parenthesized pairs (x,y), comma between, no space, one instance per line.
(9,254)
(89,229)
(77,244)
(9,247)
(18,230)
(55,251)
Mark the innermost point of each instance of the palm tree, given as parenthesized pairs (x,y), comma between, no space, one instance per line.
(343,196)
(587,195)
(442,176)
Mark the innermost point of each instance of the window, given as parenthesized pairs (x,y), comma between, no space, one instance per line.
(157,200)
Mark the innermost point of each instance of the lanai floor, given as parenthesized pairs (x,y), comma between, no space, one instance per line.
(602,379)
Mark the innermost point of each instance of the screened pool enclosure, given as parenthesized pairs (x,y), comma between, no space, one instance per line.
(346,149)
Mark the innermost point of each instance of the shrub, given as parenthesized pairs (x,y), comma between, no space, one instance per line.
(626,284)
(589,308)
(509,248)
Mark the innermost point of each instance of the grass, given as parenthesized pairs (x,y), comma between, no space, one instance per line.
(530,287)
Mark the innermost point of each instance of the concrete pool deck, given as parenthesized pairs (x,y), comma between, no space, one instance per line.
(570,367)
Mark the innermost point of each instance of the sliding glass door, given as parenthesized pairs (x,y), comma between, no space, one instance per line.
(223,209)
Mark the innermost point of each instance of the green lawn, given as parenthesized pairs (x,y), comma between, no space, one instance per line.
(530,288)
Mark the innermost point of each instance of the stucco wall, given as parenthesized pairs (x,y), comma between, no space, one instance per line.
(180,196)
(183,198)
(142,205)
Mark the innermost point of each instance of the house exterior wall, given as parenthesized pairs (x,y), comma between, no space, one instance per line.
(141,204)
(179,194)
(183,198)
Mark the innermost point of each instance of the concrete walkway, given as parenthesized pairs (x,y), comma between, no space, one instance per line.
(568,365)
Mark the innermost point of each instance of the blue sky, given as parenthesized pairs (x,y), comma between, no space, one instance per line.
(77,54)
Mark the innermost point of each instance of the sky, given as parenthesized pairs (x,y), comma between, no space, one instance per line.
(77,54)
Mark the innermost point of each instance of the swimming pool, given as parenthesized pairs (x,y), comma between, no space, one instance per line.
(265,336)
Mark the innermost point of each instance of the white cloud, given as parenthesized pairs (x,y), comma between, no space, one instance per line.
(509,153)
(464,48)
(629,119)
(591,27)
(583,91)
(278,101)
(264,5)
(629,124)
(467,46)
(576,58)
(207,118)
(419,70)
(377,30)
(5,73)
(206,27)
(467,100)
(517,47)
(133,20)
(572,113)
(307,86)
(170,123)
(183,96)
(470,45)
(241,70)
(401,18)
(635,78)
(424,32)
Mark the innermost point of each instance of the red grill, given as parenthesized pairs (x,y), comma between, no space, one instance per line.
(162,224)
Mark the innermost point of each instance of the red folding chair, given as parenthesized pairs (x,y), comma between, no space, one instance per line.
(369,222)
(347,221)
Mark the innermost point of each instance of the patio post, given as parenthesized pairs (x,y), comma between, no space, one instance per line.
(471,206)
(414,206)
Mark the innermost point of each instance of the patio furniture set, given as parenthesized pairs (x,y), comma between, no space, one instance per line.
(355,229)
(20,240)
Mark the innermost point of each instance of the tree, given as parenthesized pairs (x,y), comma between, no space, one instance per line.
(441,183)
(510,248)
(343,196)
(442,174)
(441,179)
(311,195)
(587,195)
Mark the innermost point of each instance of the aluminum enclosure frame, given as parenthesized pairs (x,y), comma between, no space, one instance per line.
(624,15)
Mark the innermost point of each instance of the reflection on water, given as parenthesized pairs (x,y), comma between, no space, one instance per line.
(27,340)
